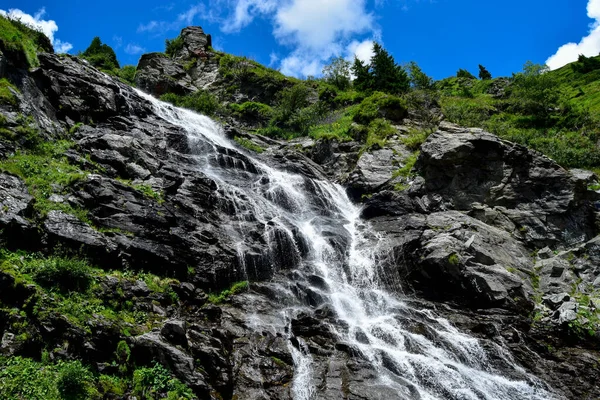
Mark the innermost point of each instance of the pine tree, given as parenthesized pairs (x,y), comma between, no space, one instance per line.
(484,74)
(101,55)
(463,73)
(418,78)
(388,76)
(363,80)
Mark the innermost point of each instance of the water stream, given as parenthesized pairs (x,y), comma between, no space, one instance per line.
(311,226)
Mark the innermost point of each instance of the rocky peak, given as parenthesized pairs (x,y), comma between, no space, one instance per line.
(195,43)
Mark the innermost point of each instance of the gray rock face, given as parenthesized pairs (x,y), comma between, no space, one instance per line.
(469,168)
(159,74)
(195,43)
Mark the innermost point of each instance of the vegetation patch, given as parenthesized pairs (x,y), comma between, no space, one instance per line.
(21,39)
(225,294)
(46,171)
(200,101)
(248,144)
(6,93)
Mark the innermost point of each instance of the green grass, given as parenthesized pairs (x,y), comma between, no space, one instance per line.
(248,144)
(6,95)
(24,378)
(200,101)
(150,193)
(225,294)
(46,171)
(19,38)
(415,138)
(338,130)
(378,132)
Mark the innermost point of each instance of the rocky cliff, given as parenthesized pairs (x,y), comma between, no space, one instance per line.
(199,264)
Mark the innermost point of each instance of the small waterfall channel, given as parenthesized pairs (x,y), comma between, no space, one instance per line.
(312,227)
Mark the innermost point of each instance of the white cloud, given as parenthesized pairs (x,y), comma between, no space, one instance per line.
(588,46)
(361,50)
(245,11)
(48,27)
(134,49)
(314,30)
(61,47)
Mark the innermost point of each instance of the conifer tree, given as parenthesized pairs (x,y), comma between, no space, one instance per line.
(484,74)
(388,76)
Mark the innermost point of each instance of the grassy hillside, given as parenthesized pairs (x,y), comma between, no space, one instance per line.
(555,112)
(583,89)
(22,42)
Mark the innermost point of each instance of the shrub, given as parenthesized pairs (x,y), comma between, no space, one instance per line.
(100,55)
(63,273)
(252,111)
(172,46)
(73,381)
(380,105)
(150,382)
(44,168)
(200,101)
(463,73)
(6,93)
(379,130)
(127,74)
(337,73)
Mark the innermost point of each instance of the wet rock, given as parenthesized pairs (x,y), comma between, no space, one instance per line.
(174,331)
(151,346)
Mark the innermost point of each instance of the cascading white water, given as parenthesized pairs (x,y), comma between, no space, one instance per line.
(437,362)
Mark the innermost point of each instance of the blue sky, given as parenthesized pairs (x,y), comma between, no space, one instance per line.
(299,36)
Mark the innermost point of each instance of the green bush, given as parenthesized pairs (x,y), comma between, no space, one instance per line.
(379,131)
(24,378)
(339,130)
(157,381)
(200,101)
(127,74)
(468,112)
(66,274)
(101,55)
(252,111)
(172,46)
(73,381)
(43,169)
(380,105)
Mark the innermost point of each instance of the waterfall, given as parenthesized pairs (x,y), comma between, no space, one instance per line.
(312,227)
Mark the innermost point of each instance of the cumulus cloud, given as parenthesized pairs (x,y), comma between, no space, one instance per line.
(361,50)
(244,12)
(314,30)
(588,46)
(36,21)
(134,49)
